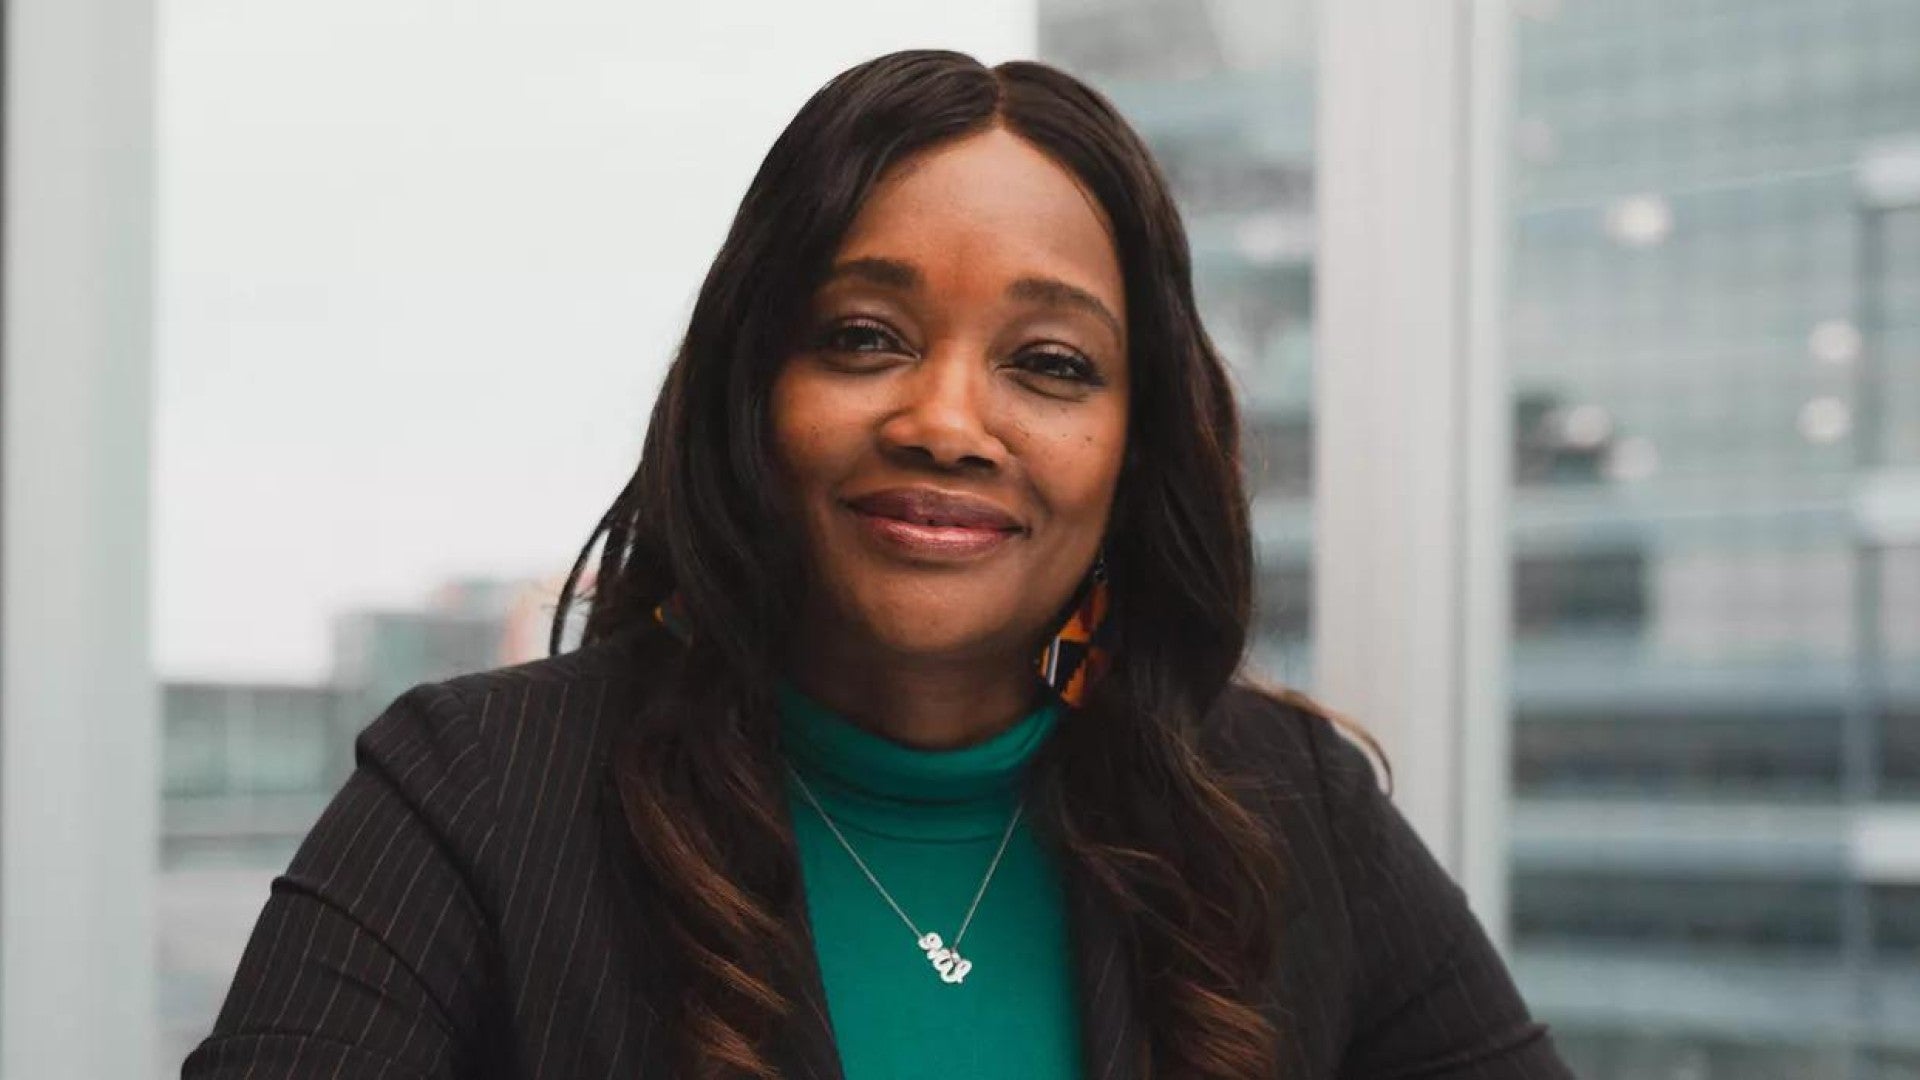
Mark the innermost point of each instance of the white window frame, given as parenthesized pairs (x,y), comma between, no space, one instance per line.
(1412,420)
(78,713)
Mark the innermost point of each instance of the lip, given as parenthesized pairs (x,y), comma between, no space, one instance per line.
(928,523)
(935,508)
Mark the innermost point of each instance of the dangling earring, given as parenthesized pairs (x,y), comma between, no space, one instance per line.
(1081,651)
(672,614)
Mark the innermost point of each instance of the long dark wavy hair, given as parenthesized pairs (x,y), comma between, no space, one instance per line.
(1191,871)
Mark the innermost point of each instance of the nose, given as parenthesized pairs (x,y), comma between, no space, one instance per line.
(941,418)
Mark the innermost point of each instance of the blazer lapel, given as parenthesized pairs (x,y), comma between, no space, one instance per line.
(1111,1036)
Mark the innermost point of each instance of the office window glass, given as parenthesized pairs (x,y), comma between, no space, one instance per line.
(1713,326)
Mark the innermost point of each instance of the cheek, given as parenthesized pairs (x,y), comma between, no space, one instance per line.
(803,433)
(1080,466)
(820,435)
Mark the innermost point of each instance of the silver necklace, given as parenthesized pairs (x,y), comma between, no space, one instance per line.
(946,959)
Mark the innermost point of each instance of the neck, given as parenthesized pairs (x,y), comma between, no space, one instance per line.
(930,703)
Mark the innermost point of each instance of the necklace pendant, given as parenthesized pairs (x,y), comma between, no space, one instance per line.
(951,966)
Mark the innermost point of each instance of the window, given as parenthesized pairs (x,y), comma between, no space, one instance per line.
(1710,332)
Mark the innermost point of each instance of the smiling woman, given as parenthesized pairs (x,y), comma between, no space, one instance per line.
(907,736)
(951,430)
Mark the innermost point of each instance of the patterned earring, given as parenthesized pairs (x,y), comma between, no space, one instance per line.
(1079,653)
(1082,649)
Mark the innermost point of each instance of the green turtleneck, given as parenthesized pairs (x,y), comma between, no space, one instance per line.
(927,824)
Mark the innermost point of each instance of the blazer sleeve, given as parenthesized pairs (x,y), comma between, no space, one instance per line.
(1432,998)
(368,957)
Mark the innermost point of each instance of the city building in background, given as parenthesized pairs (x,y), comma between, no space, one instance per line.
(1716,273)
(1714,344)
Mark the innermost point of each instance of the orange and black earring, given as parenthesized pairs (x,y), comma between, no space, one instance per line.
(1079,653)
(1082,649)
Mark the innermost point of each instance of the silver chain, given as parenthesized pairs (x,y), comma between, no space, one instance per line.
(882,890)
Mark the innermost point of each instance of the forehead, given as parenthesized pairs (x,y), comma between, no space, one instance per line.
(989,204)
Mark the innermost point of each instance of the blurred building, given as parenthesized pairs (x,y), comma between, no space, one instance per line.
(1716,844)
(1715,344)
(248,768)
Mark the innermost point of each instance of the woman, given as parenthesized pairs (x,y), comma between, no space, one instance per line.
(905,738)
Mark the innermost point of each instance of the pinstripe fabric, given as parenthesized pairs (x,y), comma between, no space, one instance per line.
(469,906)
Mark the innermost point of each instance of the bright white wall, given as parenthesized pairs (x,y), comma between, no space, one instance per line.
(421,267)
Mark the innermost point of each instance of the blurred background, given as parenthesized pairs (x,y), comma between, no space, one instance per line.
(405,277)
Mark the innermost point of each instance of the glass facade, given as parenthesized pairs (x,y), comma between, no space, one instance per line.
(1714,333)
(1714,336)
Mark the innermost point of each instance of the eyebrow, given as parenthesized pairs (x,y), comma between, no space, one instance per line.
(1049,292)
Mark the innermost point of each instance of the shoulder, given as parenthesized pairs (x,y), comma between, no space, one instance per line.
(1374,920)
(490,713)
(509,747)
(1293,761)
(1283,740)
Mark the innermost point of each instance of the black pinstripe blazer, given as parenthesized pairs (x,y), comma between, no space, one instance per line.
(469,905)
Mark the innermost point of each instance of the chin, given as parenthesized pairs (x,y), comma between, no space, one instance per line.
(920,638)
(934,626)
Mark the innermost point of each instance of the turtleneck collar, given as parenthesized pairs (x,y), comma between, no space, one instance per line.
(871,783)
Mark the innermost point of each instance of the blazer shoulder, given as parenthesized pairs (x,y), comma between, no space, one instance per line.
(1281,745)
(569,696)
(1282,733)
(485,740)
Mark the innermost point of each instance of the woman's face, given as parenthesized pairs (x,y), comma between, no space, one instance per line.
(953,420)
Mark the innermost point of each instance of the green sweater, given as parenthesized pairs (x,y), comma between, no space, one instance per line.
(927,824)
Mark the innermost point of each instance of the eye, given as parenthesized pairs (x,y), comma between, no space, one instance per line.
(1057,364)
(857,336)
